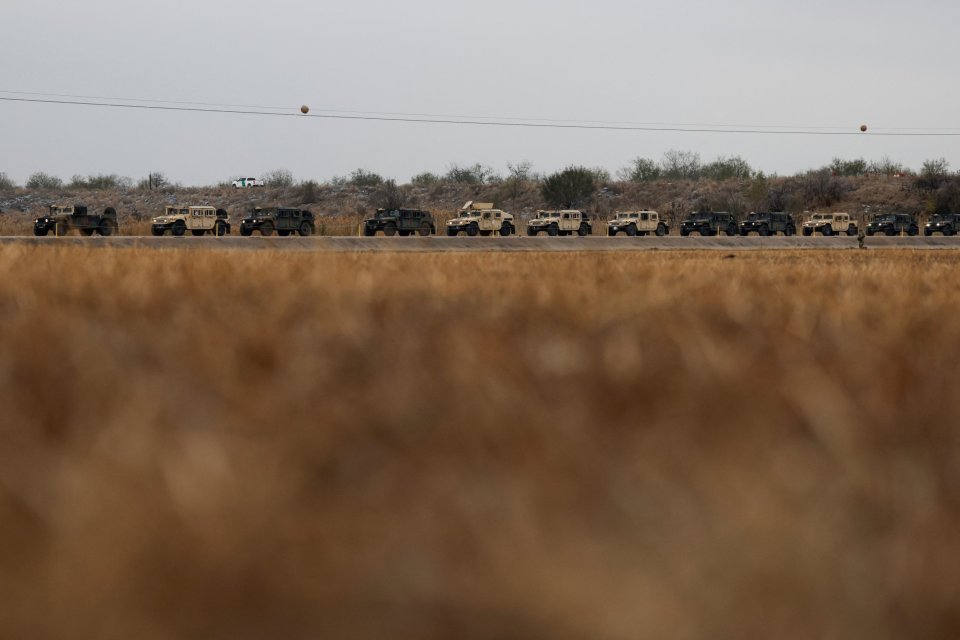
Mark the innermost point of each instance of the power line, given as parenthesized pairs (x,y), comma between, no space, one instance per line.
(488,122)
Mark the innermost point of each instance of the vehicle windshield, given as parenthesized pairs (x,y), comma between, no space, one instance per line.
(754,216)
(941,217)
(887,218)
(469,214)
(627,216)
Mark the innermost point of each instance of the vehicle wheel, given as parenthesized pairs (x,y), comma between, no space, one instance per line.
(305,229)
(807,231)
(684,232)
(390,229)
(890,231)
(220,229)
(661,230)
(452,232)
(473,229)
(869,232)
(631,230)
(40,232)
(424,229)
(851,230)
(732,230)
(107,227)
(246,231)
(789,231)
(611,233)
(531,232)
(266,229)
(948,231)
(198,232)
(156,232)
(912,231)
(827,230)
(506,229)
(764,230)
(553,230)
(584,230)
(179,228)
(927,232)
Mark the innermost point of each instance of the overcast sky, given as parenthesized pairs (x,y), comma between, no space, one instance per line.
(794,64)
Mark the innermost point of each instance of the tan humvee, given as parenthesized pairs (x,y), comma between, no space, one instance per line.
(198,220)
(480,218)
(830,224)
(560,223)
(635,223)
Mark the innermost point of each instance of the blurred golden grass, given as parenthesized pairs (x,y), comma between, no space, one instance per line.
(211,444)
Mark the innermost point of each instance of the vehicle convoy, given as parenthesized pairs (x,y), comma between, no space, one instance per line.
(830,224)
(637,223)
(892,224)
(709,224)
(480,218)
(945,223)
(177,220)
(62,219)
(241,183)
(400,221)
(283,220)
(768,224)
(560,223)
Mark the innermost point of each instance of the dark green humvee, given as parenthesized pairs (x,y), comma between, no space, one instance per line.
(283,220)
(63,219)
(400,221)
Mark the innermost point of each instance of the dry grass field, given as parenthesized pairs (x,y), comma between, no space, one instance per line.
(213,444)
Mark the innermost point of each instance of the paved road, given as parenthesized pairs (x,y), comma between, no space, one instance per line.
(513,243)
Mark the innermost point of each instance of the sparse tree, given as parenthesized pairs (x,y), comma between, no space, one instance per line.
(6,183)
(933,174)
(278,178)
(41,180)
(519,172)
(425,179)
(724,168)
(364,178)
(308,191)
(476,174)
(841,167)
(569,188)
(640,170)
(679,165)
(388,196)
(887,167)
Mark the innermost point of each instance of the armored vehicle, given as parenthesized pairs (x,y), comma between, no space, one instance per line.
(560,223)
(830,224)
(480,218)
(768,224)
(945,223)
(709,224)
(177,220)
(283,220)
(637,223)
(402,221)
(893,224)
(63,219)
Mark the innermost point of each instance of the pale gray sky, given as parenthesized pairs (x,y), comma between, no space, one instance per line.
(816,63)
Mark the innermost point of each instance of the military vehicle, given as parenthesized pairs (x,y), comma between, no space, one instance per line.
(830,224)
(400,221)
(893,224)
(63,219)
(637,223)
(945,223)
(709,224)
(283,220)
(480,218)
(560,223)
(768,224)
(177,220)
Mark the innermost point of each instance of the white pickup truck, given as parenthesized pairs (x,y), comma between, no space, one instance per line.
(247,182)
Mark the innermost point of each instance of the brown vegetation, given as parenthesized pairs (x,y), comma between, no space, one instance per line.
(286,445)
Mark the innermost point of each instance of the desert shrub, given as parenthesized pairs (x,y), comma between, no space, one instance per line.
(388,196)
(425,179)
(886,166)
(278,178)
(364,178)
(41,180)
(724,168)
(946,199)
(640,170)
(569,188)
(821,188)
(308,191)
(841,167)
(100,181)
(933,174)
(154,180)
